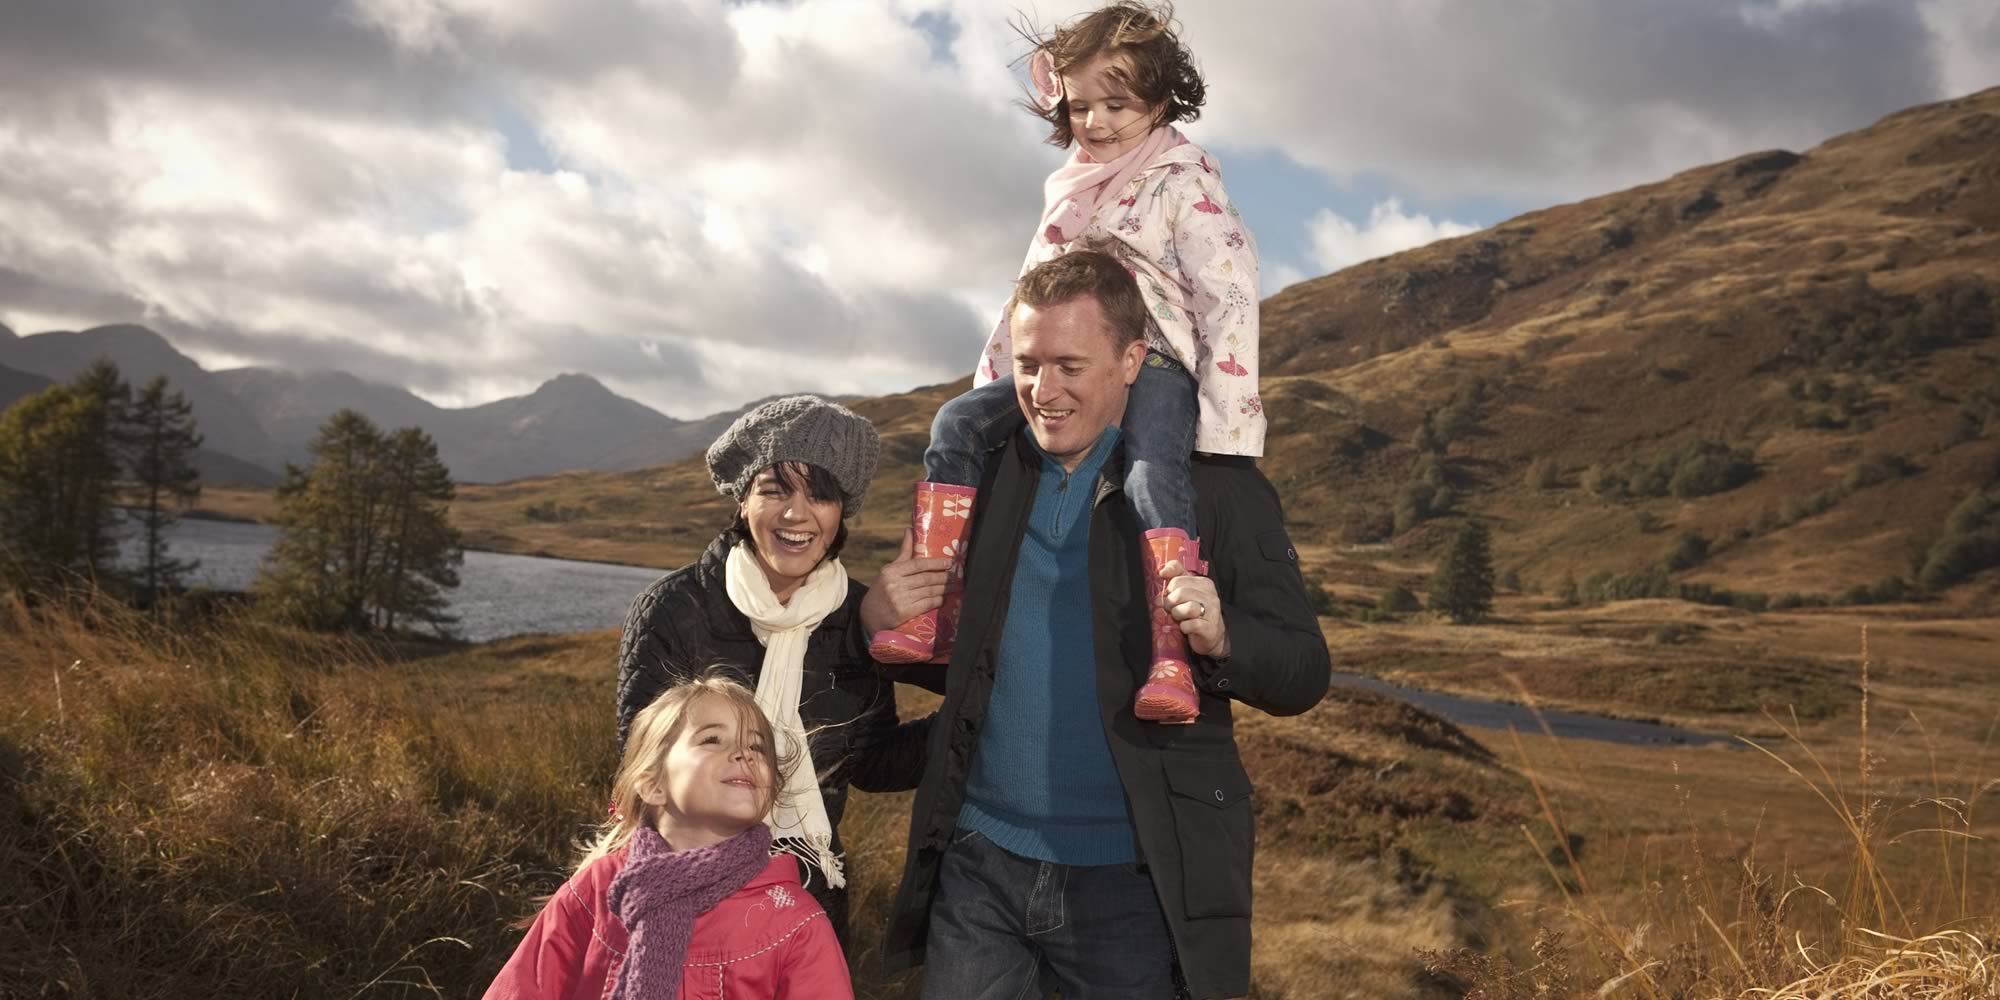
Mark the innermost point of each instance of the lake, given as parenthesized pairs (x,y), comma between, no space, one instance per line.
(503,595)
(499,595)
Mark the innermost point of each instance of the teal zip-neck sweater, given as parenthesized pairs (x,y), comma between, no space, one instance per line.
(1043,784)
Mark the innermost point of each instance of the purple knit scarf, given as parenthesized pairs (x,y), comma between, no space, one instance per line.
(659,894)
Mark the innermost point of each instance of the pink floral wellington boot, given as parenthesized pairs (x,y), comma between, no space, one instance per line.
(1169,694)
(938,519)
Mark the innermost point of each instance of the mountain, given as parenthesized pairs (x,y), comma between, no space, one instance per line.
(15,384)
(214,466)
(141,354)
(1792,356)
(291,406)
(570,422)
(1831,314)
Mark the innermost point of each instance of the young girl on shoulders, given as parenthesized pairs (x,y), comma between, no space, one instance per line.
(1111,84)
(680,895)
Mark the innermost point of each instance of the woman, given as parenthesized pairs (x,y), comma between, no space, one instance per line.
(771,600)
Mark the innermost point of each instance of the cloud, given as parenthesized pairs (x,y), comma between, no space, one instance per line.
(1553,99)
(1337,243)
(705,201)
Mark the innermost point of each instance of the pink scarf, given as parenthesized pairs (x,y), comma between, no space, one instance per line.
(1082,187)
(659,894)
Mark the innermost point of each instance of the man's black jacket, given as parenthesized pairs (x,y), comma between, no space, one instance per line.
(1185,787)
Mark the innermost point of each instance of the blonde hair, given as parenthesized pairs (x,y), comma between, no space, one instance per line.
(651,739)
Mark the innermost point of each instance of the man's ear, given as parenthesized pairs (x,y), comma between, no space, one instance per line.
(1133,358)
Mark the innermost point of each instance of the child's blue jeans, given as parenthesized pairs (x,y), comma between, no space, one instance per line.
(1158,432)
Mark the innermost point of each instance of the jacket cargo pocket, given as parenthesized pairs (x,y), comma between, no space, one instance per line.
(1212,820)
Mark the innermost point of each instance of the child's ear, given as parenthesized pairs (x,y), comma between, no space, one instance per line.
(651,791)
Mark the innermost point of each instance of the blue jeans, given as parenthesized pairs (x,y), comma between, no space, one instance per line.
(1004,927)
(1158,433)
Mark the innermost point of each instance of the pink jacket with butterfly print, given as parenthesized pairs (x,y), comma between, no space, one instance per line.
(1196,263)
(770,941)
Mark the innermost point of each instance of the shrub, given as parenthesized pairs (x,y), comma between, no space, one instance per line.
(1397,600)
(1878,469)
(1693,469)
(1688,551)
(1413,505)
(1856,328)
(548,511)
(1970,543)
(1706,467)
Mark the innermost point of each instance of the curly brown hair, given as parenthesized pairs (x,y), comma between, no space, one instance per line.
(1159,69)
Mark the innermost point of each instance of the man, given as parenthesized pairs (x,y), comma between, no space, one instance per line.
(1057,841)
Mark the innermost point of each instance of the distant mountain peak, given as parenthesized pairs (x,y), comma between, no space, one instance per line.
(573,384)
(129,332)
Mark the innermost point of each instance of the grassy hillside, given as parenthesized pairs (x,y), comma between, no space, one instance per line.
(1820,312)
(228,810)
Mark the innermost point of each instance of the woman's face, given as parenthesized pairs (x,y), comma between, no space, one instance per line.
(789,527)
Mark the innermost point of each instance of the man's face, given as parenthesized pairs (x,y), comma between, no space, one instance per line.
(1069,378)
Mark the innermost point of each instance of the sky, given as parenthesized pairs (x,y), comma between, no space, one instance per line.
(704,202)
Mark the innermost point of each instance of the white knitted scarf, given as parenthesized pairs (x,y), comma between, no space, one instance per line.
(800,818)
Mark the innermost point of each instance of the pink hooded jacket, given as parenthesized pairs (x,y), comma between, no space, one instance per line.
(768,940)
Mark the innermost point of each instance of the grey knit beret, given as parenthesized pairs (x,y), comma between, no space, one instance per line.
(797,429)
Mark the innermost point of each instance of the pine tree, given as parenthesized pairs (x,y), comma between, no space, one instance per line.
(422,552)
(364,537)
(94,465)
(162,438)
(1462,587)
(56,468)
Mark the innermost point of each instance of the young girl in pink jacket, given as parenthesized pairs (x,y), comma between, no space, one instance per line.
(680,896)
(1111,84)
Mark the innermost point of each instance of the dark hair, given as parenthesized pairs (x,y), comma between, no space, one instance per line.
(1161,72)
(1088,272)
(814,480)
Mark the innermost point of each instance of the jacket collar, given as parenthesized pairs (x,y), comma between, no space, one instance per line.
(1110,476)
(723,619)
(783,870)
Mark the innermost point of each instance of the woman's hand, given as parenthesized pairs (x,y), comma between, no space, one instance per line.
(905,588)
(1193,602)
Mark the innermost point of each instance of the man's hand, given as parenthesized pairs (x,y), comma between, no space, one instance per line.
(1193,602)
(905,588)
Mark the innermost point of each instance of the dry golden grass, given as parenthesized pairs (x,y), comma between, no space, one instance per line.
(225,809)
(1895,900)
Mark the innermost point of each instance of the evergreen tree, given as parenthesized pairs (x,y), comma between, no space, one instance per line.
(162,438)
(94,467)
(56,470)
(422,552)
(364,539)
(1462,587)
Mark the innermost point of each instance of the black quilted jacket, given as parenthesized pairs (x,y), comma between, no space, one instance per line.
(684,623)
